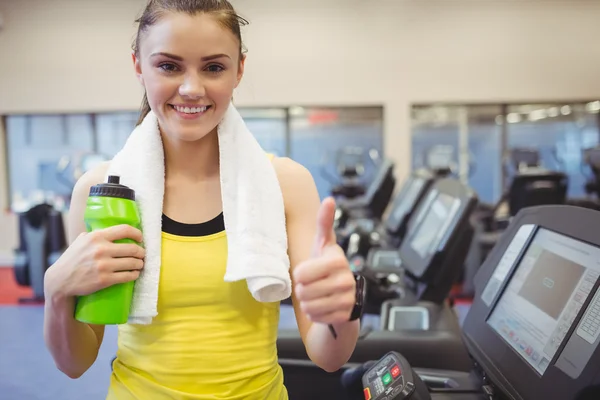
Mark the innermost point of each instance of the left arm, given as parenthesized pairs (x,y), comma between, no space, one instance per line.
(323,285)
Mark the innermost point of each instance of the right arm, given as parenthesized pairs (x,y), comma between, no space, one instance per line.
(90,263)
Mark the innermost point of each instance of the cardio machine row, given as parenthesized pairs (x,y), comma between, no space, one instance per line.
(410,259)
(533,329)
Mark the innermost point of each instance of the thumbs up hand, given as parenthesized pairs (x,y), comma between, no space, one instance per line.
(324,284)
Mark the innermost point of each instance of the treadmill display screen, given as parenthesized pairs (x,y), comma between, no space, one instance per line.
(434,224)
(405,202)
(544,295)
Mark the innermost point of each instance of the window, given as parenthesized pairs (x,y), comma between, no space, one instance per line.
(319,135)
(46,153)
(269,127)
(559,132)
(39,148)
(436,138)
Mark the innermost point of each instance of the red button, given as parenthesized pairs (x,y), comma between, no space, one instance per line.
(395,371)
(367,394)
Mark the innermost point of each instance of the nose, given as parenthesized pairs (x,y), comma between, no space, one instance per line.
(192,87)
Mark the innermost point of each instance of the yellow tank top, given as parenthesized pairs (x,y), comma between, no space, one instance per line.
(211,338)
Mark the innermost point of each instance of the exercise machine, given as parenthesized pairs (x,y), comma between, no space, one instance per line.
(430,258)
(591,158)
(426,332)
(350,169)
(533,330)
(373,203)
(529,188)
(42,241)
(362,234)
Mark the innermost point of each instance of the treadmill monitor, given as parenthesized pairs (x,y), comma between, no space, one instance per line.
(433,223)
(404,203)
(534,325)
(544,296)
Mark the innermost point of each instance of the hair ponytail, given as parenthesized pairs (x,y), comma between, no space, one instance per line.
(144,110)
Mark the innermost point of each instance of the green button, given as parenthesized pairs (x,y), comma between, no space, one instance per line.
(387,379)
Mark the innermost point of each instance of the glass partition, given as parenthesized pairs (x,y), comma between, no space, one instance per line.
(478,140)
(46,154)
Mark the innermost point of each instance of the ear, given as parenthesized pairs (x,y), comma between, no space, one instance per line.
(240,72)
(137,66)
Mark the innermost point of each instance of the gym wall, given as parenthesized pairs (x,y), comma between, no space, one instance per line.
(74,56)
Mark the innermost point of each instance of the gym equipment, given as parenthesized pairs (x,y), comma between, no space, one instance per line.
(373,203)
(42,241)
(350,168)
(533,330)
(362,234)
(425,332)
(109,204)
(431,256)
(531,187)
(391,377)
(591,158)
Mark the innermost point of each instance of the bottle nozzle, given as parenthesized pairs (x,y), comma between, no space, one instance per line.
(114,179)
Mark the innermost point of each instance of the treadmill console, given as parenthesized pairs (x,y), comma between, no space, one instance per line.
(384,261)
(392,378)
(534,326)
(406,201)
(436,243)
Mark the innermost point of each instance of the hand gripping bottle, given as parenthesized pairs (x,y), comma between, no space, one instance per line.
(109,204)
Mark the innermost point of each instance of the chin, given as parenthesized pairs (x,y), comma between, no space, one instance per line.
(189,134)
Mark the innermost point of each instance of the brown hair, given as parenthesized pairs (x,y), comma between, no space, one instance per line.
(222,11)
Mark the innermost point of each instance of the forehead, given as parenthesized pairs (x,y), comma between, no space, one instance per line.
(189,36)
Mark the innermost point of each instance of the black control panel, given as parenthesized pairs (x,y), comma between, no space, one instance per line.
(393,378)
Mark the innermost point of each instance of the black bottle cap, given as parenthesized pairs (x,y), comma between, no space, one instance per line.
(113,189)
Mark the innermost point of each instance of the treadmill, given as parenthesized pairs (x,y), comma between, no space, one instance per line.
(533,330)
(373,203)
(431,257)
(427,333)
(364,233)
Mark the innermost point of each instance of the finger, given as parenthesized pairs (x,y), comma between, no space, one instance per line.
(324,287)
(123,276)
(323,306)
(325,218)
(312,270)
(336,317)
(123,231)
(126,250)
(122,264)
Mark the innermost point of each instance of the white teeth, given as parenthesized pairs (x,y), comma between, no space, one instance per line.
(190,110)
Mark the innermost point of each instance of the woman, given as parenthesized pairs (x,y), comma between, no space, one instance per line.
(211,339)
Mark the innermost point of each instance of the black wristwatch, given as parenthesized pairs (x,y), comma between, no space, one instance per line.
(357,311)
(361,293)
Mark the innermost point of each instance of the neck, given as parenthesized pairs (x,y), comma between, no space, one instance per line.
(198,160)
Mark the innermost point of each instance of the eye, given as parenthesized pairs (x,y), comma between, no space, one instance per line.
(168,67)
(215,68)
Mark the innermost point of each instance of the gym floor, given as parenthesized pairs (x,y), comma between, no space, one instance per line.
(27,371)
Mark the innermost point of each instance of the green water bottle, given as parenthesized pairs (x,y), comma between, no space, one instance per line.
(109,204)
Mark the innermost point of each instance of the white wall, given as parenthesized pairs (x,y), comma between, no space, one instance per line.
(73,55)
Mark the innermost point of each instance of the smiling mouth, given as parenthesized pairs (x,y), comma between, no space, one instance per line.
(190,110)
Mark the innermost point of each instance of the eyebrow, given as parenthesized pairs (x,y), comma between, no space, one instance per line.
(177,58)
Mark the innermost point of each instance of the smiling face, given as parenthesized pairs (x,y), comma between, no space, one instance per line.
(189,67)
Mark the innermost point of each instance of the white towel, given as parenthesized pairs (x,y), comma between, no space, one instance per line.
(253,211)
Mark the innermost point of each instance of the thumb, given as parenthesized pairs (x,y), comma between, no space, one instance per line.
(325,233)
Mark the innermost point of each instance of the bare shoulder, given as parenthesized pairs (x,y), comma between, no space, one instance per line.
(90,178)
(288,169)
(79,197)
(296,182)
